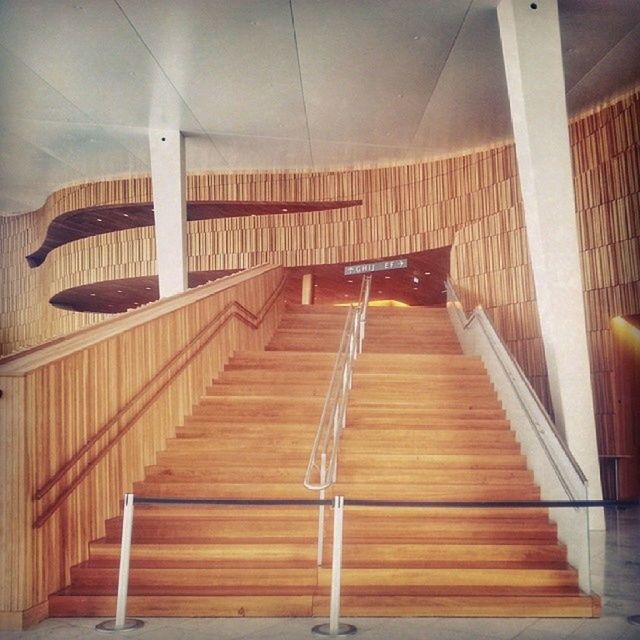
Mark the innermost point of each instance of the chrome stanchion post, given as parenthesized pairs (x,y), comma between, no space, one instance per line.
(121,622)
(323,477)
(335,627)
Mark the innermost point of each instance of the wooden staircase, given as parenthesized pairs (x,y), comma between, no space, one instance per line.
(424,424)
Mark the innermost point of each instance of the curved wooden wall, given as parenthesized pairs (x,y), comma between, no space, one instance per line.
(107,388)
(405,209)
(473,199)
(490,261)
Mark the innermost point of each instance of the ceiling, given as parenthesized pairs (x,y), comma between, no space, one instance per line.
(270,84)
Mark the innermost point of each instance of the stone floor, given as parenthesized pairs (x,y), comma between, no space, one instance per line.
(615,575)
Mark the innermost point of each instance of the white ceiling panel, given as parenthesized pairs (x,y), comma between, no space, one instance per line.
(236,61)
(368,68)
(271,84)
(26,96)
(470,103)
(589,30)
(88,52)
(247,152)
(46,172)
(87,149)
(331,155)
(600,82)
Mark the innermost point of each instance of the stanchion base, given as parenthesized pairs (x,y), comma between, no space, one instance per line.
(634,620)
(109,626)
(344,629)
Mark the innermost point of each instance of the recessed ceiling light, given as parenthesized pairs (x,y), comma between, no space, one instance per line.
(285,210)
(99,219)
(427,273)
(387,277)
(349,280)
(379,291)
(126,215)
(118,290)
(148,288)
(92,294)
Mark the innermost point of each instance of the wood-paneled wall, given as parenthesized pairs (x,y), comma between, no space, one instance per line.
(405,209)
(490,261)
(473,198)
(59,397)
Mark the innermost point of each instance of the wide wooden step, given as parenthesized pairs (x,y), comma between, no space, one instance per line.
(465,556)
(292,389)
(197,580)
(466,606)
(191,554)
(445,492)
(412,461)
(424,424)
(192,605)
(239,490)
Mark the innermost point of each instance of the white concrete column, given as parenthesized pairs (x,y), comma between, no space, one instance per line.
(170,209)
(530,35)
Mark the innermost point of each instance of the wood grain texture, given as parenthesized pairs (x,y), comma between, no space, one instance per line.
(473,199)
(59,397)
(491,266)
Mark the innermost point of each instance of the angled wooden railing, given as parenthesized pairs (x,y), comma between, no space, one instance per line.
(81,417)
(146,395)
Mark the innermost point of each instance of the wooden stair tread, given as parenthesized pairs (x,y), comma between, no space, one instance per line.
(424,423)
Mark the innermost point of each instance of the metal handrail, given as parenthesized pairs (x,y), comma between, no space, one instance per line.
(480,316)
(323,460)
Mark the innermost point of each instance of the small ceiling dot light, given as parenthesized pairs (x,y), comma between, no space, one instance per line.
(387,277)
(92,294)
(148,288)
(285,210)
(349,280)
(118,290)
(99,219)
(427,273)
(126,215)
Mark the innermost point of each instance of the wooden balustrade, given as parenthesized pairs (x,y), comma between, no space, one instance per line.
(81,417)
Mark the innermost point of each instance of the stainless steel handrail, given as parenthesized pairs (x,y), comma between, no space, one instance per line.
(480,316)
(323,460)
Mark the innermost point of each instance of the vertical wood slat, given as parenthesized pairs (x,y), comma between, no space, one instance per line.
(606,159)
(405,208)
(50,409)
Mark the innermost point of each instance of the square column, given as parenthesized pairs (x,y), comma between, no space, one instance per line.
(531,48)
(170,209)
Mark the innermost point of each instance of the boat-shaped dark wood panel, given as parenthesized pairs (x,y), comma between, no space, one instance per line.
(84,223)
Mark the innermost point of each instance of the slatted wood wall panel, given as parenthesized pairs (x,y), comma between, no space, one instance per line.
(50,410)
(491,265)
(405,209)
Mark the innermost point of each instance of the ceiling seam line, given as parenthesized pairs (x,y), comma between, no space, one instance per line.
(595,66)
(164,73)
(91,122)
(444,64)
(304,101)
